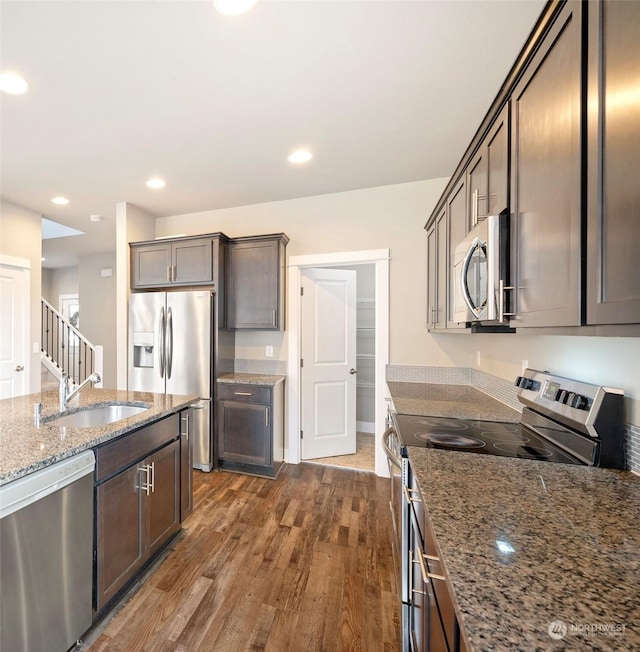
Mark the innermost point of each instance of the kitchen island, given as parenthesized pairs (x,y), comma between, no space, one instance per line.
(536,555)
(526,544)
(25,447)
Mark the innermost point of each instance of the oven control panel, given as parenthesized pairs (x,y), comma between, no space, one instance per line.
(581,405)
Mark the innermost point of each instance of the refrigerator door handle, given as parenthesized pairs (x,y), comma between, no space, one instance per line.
(160,336)
(169,342)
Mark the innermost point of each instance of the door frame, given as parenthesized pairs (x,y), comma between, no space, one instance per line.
(24,265)
(379,257)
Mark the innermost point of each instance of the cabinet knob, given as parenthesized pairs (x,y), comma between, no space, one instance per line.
(352,371)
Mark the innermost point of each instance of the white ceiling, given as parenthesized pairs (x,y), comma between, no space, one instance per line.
(382,92)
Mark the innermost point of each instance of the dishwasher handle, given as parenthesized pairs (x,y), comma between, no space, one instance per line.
(393,458)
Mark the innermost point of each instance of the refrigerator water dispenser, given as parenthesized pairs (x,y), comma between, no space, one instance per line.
(142,349)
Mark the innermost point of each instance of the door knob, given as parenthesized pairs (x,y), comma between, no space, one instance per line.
(19,368)
(352,371)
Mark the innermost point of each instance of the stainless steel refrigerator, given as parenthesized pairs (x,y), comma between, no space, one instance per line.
(171,344)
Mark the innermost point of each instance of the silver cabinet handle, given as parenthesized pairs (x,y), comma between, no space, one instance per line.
(434,315)
(352,371)
(474,207)
(144,485)
(267,417)
(19,368)
(502,288)
(169,273)
(152,473)
(185,420)
(423,568)
(273,318)
(243,393)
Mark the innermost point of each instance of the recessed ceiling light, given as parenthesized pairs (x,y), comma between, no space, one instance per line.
(61,201)
(13,84)
(234,7)
(95,218)
(300,156)
(156,183)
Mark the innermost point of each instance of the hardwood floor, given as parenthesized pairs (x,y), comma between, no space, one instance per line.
(301,563)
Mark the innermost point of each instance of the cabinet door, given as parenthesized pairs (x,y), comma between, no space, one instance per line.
(186,464)
(497,155)
(253,285)
(432,270)
(245,433)
(546,178)
(150,265)
(192,261)
(613,284)
(457,223)
(119,543)
(162,499)
(477,188)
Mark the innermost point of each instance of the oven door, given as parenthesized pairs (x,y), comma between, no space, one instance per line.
(480,273)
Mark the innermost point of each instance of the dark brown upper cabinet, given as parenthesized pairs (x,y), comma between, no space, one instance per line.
(613,202)
(437,274)
(546,190)
(179,262)
(256,282)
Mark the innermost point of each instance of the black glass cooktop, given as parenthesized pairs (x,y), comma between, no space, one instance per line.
(484,437)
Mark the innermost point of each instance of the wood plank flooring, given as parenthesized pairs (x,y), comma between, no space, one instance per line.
(301,563)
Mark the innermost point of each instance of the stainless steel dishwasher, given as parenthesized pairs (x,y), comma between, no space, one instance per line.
(46,556)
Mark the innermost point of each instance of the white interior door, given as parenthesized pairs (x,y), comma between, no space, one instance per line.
(328,345)
(14,326)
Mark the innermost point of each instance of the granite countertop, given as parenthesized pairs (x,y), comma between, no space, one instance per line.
(450,401)
(570,549)
(25,448)
(250,379)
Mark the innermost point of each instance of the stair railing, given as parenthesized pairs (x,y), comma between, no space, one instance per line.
(66,347)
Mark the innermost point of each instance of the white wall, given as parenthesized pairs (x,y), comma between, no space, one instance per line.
(98,309)
(394,217)
(375,218)
(21,237)
(63,280)
(132,225)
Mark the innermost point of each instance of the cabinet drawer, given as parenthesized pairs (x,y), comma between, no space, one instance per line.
(121,452)
(244,393)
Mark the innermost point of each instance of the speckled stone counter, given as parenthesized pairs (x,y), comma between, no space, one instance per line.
(250,379)
(450,401)
(24,448)
(527,543)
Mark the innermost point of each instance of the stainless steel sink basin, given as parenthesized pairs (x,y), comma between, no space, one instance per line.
(97,416)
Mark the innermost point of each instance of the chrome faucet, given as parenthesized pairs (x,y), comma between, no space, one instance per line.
(64,394)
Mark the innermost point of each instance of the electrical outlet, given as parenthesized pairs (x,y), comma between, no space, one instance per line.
(269,351)
(525,364)
(478,357)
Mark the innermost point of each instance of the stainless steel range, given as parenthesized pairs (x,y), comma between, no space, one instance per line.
(563,421)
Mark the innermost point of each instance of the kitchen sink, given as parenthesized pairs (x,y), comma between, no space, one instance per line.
(97,416)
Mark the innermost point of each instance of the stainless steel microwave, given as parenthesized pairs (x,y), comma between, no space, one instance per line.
(481,283)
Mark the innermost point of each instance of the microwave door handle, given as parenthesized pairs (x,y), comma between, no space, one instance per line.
(465,267)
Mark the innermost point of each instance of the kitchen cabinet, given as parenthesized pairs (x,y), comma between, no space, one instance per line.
(251,427)
(432,621)
(177,262)
(137,504)
(545,178)
(613,202)
(437,273)
(255,283)
(488,175)
(457,229)
(186,464)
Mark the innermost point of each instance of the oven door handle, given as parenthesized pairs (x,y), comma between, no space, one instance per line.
(391,456)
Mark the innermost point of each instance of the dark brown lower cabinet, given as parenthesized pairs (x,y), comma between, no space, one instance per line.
(251,428)
(433,624)
(137,503)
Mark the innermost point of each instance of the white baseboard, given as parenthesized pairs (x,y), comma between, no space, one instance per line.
(366,426)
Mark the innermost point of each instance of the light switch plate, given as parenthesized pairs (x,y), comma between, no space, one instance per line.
(269,351)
